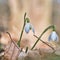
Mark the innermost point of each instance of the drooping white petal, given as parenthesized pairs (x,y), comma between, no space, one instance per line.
(27,27)
(33,30)
(53,36)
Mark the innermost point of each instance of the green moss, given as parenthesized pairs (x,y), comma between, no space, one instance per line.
(51,57)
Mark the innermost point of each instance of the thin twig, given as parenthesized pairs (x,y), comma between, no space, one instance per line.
(12,53)
(8,49)
(13,41)
(49,27)
(17,55)
(45,43)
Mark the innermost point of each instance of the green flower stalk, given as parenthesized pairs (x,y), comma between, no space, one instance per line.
(26,50)
(26,20)
(46,44)
(52,26)
(0,46)
(22,31)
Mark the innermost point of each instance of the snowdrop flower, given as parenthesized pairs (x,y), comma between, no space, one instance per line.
(22,56)
(29,27)
(53,37)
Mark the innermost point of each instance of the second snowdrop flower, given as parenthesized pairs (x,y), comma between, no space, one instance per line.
(53,37)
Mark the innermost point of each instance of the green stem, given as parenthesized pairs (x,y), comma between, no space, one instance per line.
(22,31)
(46,43)
(26,49)
(52,26)
(0,45)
